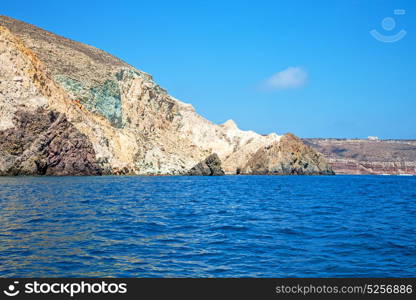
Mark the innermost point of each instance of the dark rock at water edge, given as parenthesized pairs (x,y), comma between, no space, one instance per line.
(211,166)
(45,143)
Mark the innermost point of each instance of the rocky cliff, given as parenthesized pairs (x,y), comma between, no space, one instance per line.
(358,156)
(69,108)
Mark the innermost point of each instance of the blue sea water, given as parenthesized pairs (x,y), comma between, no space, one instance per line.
(230,226)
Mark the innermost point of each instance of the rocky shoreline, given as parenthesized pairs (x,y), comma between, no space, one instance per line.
(67,108)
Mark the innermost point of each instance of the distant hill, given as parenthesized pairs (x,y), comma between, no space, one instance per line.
(359,156)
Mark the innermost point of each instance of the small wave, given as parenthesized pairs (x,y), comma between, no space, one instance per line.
(231,228)
(37,220)
(291,231)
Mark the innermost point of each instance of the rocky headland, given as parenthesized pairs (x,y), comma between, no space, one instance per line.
(67,108)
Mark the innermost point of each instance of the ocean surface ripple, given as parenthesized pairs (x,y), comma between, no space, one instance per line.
(230,226)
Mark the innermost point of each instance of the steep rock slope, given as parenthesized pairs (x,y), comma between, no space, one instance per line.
(358,156)
(45,143)
(117,119)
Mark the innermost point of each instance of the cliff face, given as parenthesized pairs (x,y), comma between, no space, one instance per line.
(356,156)
(69,108)
(45,143)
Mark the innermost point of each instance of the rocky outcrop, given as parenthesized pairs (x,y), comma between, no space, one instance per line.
(211,166)
(45,143)
(114,117)
(359,156)
(289,156)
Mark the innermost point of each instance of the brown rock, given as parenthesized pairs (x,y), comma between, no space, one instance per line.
(211,166)
(45,143)
(290,156)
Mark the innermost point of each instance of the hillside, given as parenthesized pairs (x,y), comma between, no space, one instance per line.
(359,156)
(67,108)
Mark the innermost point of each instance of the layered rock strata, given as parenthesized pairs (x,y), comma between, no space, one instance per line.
(359,156)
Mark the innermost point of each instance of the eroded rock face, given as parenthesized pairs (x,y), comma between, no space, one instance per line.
(289,156)
(114,118)
(211,166)
(45,143)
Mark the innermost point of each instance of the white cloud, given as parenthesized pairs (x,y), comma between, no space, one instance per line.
(290,78)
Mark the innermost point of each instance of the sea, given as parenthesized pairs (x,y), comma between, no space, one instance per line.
(227,226)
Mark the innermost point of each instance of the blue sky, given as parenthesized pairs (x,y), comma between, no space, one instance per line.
(307,67)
